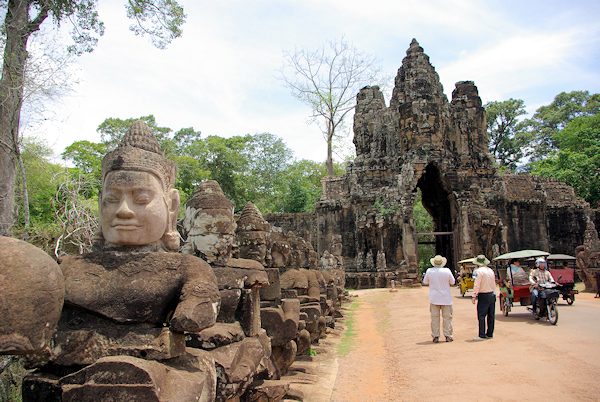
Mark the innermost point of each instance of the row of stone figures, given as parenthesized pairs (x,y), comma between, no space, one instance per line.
(137,320)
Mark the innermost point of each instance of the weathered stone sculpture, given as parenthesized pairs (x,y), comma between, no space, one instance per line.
(280,250)
(31,298)
(253,234)
(240,356)
(129,304)
(208,224)
(279,317)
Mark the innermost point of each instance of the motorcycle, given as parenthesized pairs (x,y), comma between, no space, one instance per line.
(546,303)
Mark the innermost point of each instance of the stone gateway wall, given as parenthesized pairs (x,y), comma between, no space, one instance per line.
(423,141)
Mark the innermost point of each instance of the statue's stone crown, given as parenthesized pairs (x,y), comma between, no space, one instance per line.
(210,196)
(139,150)
(252,220)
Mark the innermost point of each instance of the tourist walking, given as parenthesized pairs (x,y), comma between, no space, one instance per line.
(439,278)
(484,292)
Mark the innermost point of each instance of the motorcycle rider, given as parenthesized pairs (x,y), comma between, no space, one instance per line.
(538,276)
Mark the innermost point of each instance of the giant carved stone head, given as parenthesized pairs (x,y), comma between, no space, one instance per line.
(138,204)
(252,231)
(209,225)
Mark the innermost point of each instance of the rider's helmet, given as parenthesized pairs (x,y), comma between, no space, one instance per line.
(540,262)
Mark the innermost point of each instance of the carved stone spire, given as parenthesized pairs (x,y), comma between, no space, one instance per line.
(416,79)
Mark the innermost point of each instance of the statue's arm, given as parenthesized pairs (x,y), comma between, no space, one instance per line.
(199,300)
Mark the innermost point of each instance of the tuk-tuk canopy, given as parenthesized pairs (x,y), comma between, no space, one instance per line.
(522,254)
(560,257)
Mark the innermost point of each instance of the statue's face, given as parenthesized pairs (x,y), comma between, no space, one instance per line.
(280,254)
(132,208)
(253,245)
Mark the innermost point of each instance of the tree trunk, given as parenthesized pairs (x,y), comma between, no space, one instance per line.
(23,172)
(18,30)
(329,162)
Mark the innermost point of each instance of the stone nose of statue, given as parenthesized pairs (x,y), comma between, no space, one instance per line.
(124,211)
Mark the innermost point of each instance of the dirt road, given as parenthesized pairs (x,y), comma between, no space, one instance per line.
(391,356)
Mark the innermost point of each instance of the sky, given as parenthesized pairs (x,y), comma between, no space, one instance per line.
(221,77)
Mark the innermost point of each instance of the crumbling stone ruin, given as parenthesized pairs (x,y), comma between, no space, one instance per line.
(423,141)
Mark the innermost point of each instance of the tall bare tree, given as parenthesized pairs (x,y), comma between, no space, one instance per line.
(161,19)
(327,79)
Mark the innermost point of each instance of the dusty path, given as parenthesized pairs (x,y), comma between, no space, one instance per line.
(392,357)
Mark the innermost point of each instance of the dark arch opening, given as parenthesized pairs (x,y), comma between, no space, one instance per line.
(436,200)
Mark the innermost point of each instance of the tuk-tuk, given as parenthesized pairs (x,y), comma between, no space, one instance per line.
(465,275)
(512,292)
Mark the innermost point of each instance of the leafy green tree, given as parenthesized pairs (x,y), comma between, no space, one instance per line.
(298,196)
(43,178)
(225,160)
(160,19)
(188,154)
(577,159)
(549,120)
(508,137)
(87,157)
(300,186)
(268,158)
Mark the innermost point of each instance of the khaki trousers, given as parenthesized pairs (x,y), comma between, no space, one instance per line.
(446,313)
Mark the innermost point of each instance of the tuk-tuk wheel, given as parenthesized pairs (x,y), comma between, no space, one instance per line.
(570,300)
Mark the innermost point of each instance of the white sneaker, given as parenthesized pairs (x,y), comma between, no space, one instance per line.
(477,339)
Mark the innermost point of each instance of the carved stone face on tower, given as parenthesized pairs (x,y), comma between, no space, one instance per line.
(133,209)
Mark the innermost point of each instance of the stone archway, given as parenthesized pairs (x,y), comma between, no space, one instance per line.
(437,200)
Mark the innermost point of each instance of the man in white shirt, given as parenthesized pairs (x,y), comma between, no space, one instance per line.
(439,278)
(484,291)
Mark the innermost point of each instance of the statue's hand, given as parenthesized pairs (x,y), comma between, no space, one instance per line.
(194,314)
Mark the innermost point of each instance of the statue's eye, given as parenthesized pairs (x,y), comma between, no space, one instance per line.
(143,198)
(111,199)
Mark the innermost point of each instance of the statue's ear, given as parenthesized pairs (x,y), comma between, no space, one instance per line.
(171,238)
(173,200)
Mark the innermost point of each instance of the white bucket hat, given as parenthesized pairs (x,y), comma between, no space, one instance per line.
(481,260)
(438,261)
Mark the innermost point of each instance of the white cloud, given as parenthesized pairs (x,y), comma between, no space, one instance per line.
(519,62)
